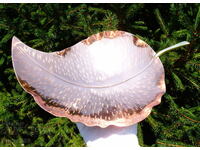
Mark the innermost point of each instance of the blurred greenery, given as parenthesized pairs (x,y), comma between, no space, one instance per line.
(52,27)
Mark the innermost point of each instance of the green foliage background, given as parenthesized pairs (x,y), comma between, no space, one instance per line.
(52,27)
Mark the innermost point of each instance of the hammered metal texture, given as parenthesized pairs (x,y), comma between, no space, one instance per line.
(110,78)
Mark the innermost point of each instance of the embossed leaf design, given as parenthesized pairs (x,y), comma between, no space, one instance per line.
(110,78)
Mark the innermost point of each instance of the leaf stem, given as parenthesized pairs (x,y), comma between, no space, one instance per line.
(171,48)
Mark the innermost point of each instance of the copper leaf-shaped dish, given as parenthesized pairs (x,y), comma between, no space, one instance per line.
(110,78)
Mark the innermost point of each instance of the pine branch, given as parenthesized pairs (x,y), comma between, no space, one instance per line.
(169,144)
(161,22)
(197,20)
(196,121)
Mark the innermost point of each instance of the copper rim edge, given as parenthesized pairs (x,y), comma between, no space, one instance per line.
(130,120)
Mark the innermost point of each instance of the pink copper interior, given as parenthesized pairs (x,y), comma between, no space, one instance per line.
(110,78)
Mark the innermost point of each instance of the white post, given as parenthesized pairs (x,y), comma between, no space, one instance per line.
(111,136)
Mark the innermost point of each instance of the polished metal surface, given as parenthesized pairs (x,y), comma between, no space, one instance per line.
(110,78)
